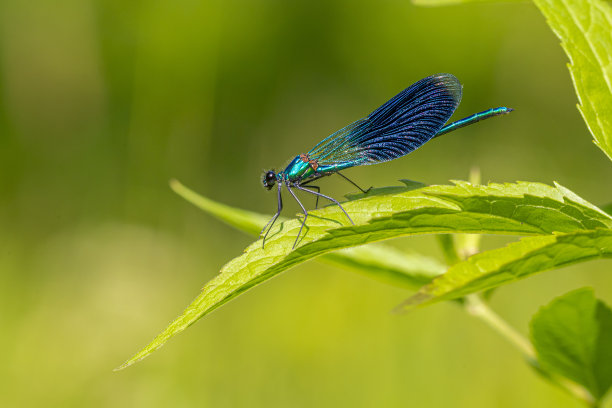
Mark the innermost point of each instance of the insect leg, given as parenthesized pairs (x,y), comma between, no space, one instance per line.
(305,215)
(316,177)
(353,183)
(324,196)
(317,200)
(273,220)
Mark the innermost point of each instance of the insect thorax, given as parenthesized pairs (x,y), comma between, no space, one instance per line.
(299,169)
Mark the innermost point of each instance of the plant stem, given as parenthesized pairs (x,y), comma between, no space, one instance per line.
(447,243)
(477,307)
(459,250)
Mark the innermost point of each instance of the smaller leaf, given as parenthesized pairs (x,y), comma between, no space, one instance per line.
(247,221)
(386,264)
(530,255)
(572,336)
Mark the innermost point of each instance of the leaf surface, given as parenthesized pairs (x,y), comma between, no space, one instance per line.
(518,260)
(585,30)
(516,209)
(572,336)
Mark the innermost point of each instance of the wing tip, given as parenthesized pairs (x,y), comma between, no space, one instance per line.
(450,83)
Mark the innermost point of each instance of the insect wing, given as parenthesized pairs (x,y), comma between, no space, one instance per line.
(401,125)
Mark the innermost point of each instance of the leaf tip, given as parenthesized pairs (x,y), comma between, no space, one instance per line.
(141,355)
(124,365)
(411,303)
(174,184)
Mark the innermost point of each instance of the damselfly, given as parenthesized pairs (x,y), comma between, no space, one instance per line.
(404,123)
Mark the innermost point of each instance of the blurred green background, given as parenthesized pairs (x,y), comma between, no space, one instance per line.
(102,102)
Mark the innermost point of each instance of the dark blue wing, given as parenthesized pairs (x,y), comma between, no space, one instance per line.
(401,125)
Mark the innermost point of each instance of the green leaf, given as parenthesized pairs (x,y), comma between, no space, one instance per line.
(247,221)
(386,264)
(518,260)
(379,262)
(572,336)
(585,30)
(521,208)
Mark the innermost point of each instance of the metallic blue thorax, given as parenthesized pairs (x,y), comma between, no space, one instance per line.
(301,169)
(298,169)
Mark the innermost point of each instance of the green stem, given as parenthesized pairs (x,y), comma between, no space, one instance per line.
(475,306)
(447,243)
(478,308)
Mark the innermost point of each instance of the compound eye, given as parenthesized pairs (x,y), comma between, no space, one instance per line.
(269,179)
